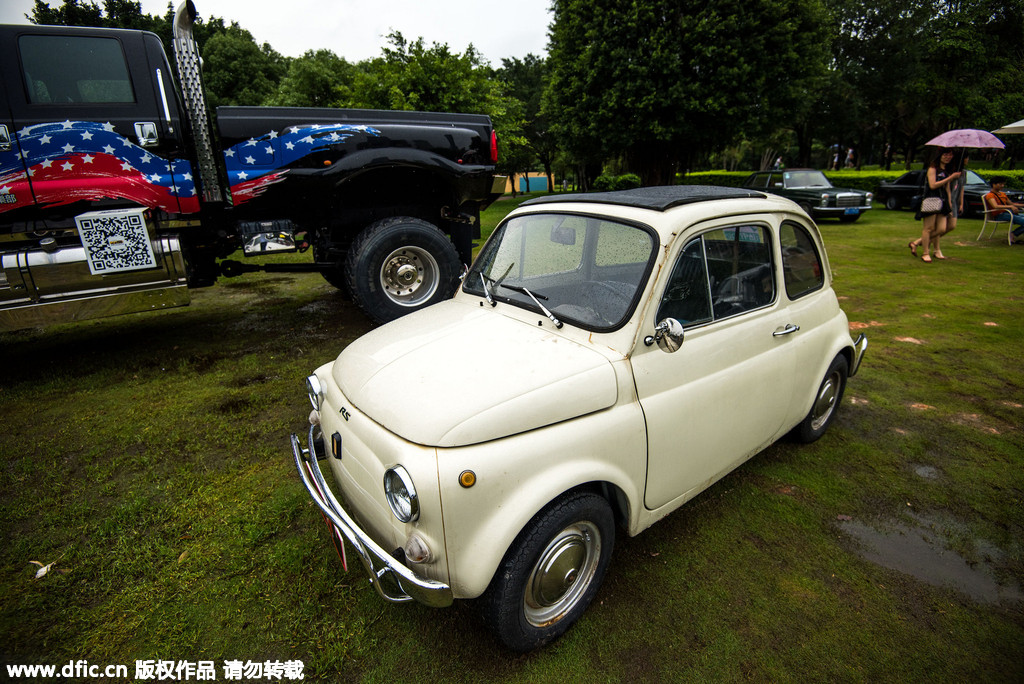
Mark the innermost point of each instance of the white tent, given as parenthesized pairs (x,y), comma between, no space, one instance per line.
(1012,128)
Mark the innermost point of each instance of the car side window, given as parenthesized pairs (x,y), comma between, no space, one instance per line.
(74,69)
(801,263)
(687,298)
(720,274)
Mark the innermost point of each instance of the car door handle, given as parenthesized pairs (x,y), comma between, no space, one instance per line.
(788,330)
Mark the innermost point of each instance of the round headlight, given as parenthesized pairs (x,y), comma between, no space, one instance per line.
(401,494)
(315,391)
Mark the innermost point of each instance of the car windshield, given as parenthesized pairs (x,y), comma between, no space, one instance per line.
(806,179)
(583,270)
(975,179)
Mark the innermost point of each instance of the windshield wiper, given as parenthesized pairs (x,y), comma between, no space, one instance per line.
(487,291)
(516,288)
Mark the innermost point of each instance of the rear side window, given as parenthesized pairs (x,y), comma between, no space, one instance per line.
(801,263)
(723,273)
(74,69)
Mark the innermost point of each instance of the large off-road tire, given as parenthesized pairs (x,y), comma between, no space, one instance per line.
(551,572)
(398,265)
(826,403)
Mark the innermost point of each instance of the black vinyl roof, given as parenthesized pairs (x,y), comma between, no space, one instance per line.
(658,198)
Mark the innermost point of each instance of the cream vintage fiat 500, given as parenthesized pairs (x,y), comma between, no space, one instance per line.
(607,357)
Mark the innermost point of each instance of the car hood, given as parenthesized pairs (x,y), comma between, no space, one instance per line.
(452,375)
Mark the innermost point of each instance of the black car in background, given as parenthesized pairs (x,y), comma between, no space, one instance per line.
(813,192)
(906,192)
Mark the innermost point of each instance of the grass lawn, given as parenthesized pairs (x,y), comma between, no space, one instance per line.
(146,458)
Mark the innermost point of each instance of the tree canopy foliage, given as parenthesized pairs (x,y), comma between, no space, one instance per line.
(661,81)
(657,86)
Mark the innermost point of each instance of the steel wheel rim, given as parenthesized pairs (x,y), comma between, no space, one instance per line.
(410,276)
(825,402)
(563,573)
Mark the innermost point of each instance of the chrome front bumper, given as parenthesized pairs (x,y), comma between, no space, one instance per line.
(392,580)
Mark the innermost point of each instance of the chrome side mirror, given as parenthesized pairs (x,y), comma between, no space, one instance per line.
(668,334)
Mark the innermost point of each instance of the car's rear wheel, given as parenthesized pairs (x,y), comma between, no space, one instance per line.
(892,203)
(826,403)
(551,572)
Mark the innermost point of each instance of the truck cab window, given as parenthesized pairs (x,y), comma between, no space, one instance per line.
(74,69)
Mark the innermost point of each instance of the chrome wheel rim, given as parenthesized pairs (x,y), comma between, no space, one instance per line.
(825,402)
(410,276)
(563,573)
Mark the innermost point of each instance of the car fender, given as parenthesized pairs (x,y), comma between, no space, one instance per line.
(516,477)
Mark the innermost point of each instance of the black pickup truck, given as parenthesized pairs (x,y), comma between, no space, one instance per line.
(118,194)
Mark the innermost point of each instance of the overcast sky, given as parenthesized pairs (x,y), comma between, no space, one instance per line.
(356,29)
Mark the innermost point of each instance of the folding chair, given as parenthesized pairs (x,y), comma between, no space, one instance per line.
(992,216)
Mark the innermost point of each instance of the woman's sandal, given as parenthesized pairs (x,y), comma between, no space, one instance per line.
(926,259)
(913,247)
(940,257)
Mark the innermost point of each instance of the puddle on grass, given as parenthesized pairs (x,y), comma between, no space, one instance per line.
(916,549)
(927,472)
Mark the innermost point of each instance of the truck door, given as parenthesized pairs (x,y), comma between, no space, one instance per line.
(94,130)
(99,156)
(15,192)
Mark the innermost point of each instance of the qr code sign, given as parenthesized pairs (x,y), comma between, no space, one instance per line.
(116,241)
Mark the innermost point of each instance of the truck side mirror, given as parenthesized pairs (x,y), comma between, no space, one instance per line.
(146,131)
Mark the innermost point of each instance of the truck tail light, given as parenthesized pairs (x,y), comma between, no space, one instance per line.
(494,147)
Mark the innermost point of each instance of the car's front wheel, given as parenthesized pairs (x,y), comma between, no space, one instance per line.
(551,572)
(826,403)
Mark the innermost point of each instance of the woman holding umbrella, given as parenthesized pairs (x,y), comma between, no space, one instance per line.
(940,175)
(936,205)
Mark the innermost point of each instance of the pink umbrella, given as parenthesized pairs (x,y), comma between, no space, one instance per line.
(967,137)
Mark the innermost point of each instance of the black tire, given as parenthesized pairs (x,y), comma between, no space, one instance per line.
(399,265)
(849,219)
(572,538)
(826,403)
(892,203)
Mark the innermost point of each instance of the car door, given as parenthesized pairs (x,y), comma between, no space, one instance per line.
(725,394)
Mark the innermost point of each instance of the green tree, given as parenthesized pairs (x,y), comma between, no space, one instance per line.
(237,71)
(316,79)
(68,13)
(412,76)
(525,80)
(660,81)
(918,68)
